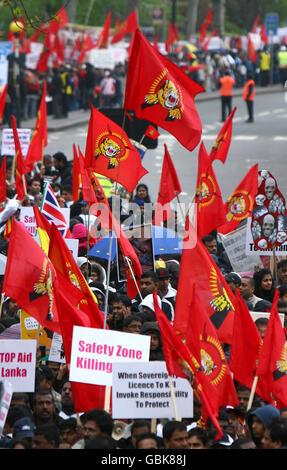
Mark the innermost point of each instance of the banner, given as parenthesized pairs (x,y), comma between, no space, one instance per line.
(142,391)
(18,363)
(8,145)
(6,392)
(94,352)
(251,248)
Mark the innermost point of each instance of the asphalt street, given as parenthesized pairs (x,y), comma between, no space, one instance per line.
(264,141)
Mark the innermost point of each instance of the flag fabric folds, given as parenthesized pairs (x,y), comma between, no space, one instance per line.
(197,268)
(164,96)
(3,194)
(240,203)
(209,204)
(110,152)
(40,135)
(3,102)
(103,39)
(169,188)
(221,146)
(29,278)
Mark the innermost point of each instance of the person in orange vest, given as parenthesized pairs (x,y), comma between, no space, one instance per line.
(248,97)
(226,84)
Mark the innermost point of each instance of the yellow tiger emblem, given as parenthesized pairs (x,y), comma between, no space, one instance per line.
(167,96)
(110,149)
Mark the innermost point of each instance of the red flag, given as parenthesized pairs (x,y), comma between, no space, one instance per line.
(85,396)
(209,204)
(87,45)
(29,278)
(240,204)
(255,24)
(3,102)
(205,25)
(197,268)
(76,175)
(109,152)
(172,36)
(206,43)
(221,146)
(201,337)
(263,35)
(128,26)
(42,64)
(252,54)
(59,21)
(103,39)
(272,362)
(169,188)
(3,194)
(152,132)
(181,362)
(164,96)
(21,185)
(110,222)
(88,192)
(40,135)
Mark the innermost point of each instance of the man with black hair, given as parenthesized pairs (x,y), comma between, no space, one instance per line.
(148,440)
(64,168)
(46,436)
(98,423)
(175,435)
(197,438)
(282,272)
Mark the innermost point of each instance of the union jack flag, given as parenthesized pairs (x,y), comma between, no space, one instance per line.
(52,210)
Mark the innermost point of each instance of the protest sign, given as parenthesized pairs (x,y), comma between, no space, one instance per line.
(30,329)
(142,391)
(57,353)
(251,247)
(6,392)
(256,315)
(94,352)
(8,145)
(234,244)
(17,364)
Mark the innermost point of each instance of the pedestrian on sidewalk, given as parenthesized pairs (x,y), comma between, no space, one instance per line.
(226,83)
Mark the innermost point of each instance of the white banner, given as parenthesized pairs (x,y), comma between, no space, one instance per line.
(142,391)
(8,145)
(6,392)
(94,352)
(17,363)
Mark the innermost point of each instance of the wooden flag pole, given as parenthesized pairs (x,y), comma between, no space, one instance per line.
(133,276)
(173,399)
(252,393)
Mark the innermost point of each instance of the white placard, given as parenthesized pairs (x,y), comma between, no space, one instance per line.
(8,145)
(27,217)
(251,248)
(235,246)
(94,352)
(17,363)
(57,353)
(256,315)
(142,391)
(6,392)
(106,58)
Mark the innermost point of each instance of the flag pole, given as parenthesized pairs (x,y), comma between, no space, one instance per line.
(173,399)
(133,276)
(108,280)
(252,393)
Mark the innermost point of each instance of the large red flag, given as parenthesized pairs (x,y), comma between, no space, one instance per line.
(29,278)
(202,339)
(209,204)
(128,26)
(103,39)
(197,268)
(160,92)
(40,135)
(3,102)
(85,396)
(3,193)
(59,21)
(205,25)
(272,364)
(240,203)
(221,146)
(21,186)
(169,188)
(181,362)
(110,152)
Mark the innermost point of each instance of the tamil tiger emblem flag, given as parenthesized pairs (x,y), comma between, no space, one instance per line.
(221,146)
(52,210)
(240,203)
(210,209)
(161,93)
(197,268)
(110,152)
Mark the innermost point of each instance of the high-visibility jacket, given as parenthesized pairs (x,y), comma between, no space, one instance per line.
(282,59)
(246,90)
(265,61)
(226,84)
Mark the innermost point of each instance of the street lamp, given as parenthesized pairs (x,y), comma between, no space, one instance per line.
(16,27)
